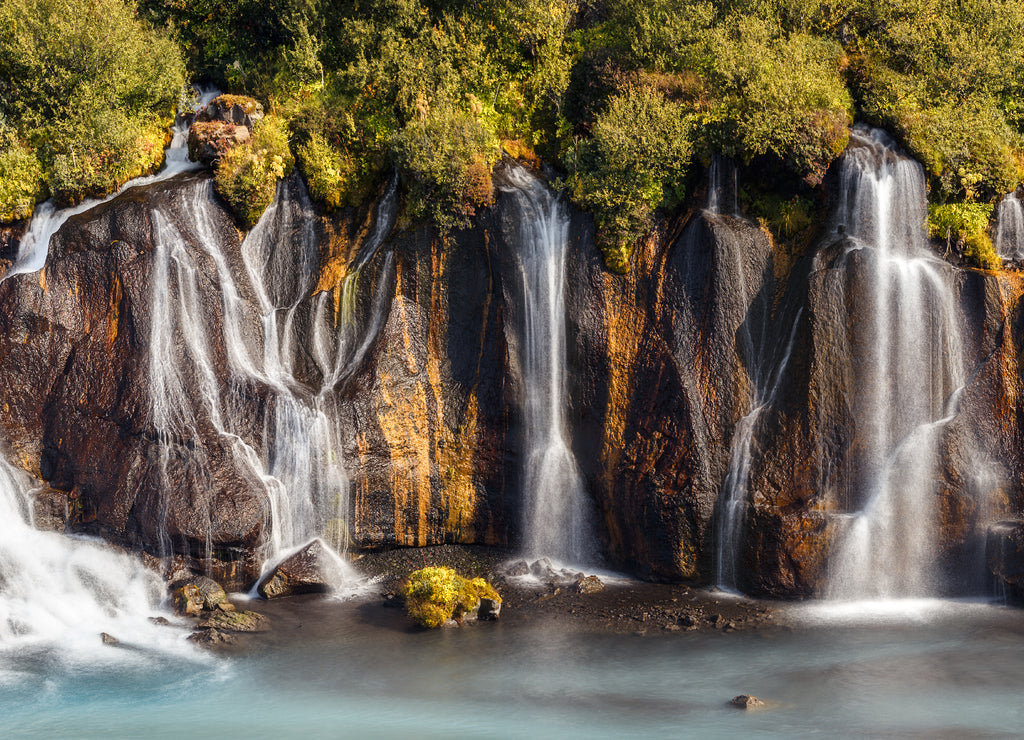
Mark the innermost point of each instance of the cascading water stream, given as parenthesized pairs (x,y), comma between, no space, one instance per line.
(60,593)
(47,218)
(1009,241)
(302,469)
(735,488)
(908,380)
(557,520)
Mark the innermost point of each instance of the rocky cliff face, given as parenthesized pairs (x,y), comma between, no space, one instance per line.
(402,349)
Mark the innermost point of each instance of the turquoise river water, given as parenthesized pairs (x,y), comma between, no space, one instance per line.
(352,669)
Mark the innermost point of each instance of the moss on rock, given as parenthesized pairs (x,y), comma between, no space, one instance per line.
(435,595)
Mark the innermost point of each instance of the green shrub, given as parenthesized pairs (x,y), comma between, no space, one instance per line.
(435,595)
(330,173)
(116,151)
(965,225)
(21,183)
(88,88)
(247,175)
(637,160)
(445,156)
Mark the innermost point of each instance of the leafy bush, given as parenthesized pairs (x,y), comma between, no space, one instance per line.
(247,175)
(965,225)
(329,172)
(21,182)
(88,89)
(114,152)
(446,156)
(435,595)
(637,159)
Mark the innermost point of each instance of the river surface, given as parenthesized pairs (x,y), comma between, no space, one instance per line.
(353,669)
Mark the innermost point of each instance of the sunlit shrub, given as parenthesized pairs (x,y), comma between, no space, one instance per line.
(434,595)
(965,226)
(637,159)
(445,156)
(247,175)
(21,183)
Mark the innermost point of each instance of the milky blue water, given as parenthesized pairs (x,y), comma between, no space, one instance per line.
(356,671)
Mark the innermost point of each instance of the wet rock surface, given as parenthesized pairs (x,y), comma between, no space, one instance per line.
(305,572)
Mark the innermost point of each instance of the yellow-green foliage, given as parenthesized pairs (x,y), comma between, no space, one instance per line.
(247,175)
(636,160)
(88,89)
(434,595)
(117,151)
(965,224)
(330,173)
(21,182)
(446,154)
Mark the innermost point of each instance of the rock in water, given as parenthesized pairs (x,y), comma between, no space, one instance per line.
(589,585)
(109,639)
(488,610)
(213,639)
(235,621)
(194,594)
(302,573)
(746,701)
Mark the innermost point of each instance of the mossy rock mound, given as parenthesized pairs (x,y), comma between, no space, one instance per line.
(236,109)
(433,596)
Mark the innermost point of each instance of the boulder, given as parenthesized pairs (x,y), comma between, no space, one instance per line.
(210,140)
(234,621)
(193,595)
(488,610)
(301,573)
(236,109)
(109,639)
(746,701)
(588,585)
(518,568)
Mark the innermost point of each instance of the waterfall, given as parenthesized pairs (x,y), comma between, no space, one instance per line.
(734,496)
(195,399)
(61,593)
(47,218)
(305,454)
(1010,227)
(907,376)
(557,520)
(723,187)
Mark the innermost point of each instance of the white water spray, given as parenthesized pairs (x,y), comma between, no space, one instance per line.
(1009,239)
(557,520)
(908,381)
(60,594)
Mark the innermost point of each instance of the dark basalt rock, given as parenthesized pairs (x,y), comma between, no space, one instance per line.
(1004,554)
(301,573)
(209,141)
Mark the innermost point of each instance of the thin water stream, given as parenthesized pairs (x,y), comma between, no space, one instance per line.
(557,521)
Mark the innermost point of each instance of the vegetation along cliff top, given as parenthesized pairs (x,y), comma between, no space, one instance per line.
(626,99)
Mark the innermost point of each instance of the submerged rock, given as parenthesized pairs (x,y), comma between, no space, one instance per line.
(213,639)
(235,621)
(746,701)
(302,573)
